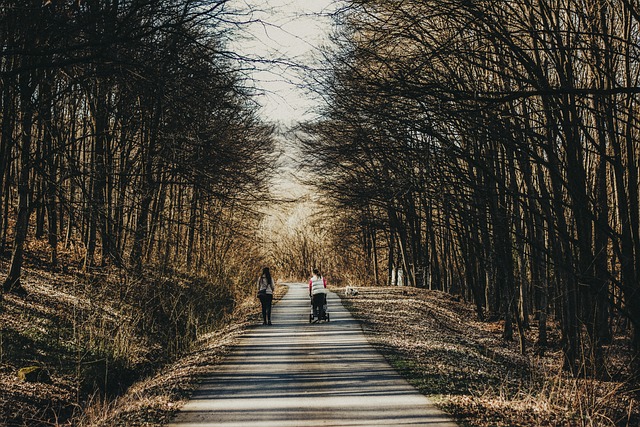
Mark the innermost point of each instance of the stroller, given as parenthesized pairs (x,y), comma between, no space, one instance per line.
(323,312)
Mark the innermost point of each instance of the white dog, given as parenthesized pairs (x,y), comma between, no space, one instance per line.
(350,291)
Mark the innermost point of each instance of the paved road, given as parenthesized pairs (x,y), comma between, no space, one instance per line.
(299,374)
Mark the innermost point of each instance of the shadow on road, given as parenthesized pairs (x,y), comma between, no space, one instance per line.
(299,374)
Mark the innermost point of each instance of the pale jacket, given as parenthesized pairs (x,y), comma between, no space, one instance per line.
(317,285)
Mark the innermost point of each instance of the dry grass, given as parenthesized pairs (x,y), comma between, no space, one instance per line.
(98,334)
(153,401)
(438,344)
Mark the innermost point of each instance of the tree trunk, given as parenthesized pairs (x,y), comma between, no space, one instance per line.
(50,172)
(148,187)
(192,227)
(6,146)
(12,282)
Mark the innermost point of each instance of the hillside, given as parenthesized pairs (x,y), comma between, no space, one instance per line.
(91,336)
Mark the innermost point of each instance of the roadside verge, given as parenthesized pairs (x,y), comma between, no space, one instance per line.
(436,342)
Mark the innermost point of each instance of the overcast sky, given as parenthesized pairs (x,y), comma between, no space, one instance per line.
(285,30)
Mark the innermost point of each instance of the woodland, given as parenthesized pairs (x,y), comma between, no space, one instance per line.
(126,132)
(488,150)
(131,166)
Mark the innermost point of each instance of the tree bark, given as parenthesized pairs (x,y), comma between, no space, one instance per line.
(12,282)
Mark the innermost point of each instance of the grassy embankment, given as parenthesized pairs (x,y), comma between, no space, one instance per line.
(94,336)
(473,374)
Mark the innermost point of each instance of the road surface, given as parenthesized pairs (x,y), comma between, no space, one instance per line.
(298,374)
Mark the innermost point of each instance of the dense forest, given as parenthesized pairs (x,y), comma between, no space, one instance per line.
(128,137)
(490,149)
(131,178)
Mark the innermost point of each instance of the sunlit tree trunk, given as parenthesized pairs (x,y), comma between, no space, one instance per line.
(27,88)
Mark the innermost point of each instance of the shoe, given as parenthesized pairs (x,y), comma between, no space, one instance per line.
(264,323)
(270,322)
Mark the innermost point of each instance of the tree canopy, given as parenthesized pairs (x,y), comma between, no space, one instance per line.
(490,149)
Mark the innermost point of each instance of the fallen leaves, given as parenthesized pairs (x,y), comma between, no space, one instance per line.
(441,347)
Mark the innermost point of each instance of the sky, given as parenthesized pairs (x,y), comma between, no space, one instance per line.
(289,31)
(284,32)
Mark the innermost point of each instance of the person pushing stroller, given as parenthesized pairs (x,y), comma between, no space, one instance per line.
(318,294)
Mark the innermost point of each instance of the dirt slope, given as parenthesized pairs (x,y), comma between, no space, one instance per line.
(94,335)
(438,343)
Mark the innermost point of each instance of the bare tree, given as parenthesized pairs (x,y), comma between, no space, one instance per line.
(493,134)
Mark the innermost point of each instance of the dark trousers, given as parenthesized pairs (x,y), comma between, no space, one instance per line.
(318,302)
(265,301)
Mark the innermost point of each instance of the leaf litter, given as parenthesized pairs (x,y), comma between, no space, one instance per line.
(437,342)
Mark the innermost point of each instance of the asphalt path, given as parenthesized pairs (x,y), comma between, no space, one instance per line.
(294,373)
